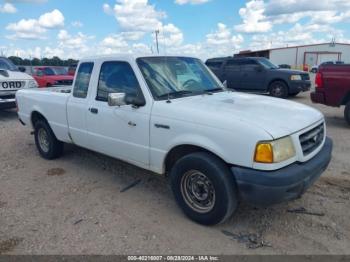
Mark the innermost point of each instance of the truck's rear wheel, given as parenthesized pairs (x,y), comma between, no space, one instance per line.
(204,188)
(278,89)
(347,112)
(46,142)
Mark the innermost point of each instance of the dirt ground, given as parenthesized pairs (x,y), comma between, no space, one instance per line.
(74,205)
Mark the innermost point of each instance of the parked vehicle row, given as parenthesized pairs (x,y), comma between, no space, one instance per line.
(259,75)
(333,87)
(172,116)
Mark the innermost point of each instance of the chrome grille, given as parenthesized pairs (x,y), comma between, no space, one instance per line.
(312,139)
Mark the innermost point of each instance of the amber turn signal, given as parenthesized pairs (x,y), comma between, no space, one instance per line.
(264,153)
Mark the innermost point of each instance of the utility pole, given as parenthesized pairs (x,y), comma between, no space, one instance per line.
(157,32)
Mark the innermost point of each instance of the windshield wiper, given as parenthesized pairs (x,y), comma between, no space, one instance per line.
(175,94)
(210,91)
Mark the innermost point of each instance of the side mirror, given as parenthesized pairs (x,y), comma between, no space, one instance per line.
(22,69)
(136,100)
(116,99)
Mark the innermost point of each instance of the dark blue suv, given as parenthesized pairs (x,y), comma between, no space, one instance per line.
(259,75)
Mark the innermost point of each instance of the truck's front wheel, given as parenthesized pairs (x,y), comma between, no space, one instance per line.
(46,142)
(347,112)
(204,188)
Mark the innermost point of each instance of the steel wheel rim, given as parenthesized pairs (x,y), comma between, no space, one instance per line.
(198,191)
(43,140)
(277,90)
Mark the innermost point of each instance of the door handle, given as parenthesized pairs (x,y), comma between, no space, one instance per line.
(93,110)
(130,123)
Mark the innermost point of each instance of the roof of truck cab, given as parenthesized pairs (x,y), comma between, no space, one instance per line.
(127,57)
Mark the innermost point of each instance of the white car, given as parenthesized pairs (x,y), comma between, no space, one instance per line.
(172,116)
(12,80)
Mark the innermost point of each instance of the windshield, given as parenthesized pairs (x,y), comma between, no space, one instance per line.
(60,71)
(267,63)
(7,64)
(173,77)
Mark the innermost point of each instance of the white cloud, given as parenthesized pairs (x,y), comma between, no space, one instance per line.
(170,35)
(253,18)
(259,16)
(299,34)
(277,7)
(8,8)
(36,28)
(193,2)
(77,24)
(222,41)
(78,41)
(136,15)
(114,41)
(53,19)
(26,29)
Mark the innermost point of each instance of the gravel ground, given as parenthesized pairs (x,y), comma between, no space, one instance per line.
(74,205)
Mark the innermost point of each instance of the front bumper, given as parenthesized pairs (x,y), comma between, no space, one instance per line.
(7,103)
(264,188)
(299,86)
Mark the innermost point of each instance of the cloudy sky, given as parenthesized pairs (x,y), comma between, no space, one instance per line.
(204,28)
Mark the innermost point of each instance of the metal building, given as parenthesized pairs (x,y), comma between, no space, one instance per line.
(310,55)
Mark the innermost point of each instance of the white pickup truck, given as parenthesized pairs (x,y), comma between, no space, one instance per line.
(12,80)
(172,116)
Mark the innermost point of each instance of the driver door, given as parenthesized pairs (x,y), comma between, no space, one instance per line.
(121,132)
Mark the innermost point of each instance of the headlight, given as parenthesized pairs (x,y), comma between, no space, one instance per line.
(274,151)
(32,84)
(295,77)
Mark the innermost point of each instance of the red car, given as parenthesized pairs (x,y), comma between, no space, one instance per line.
(47,76)
(333,87)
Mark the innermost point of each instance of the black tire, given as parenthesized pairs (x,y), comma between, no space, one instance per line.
(218,180)
(347,112)
(278,89)
(294,94)
(46,142)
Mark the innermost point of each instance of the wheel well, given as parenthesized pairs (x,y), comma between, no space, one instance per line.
(180,151)
(37,116)
(346,99)
(277,80)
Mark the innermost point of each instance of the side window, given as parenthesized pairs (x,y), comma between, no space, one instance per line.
(233,65)
(82,81)
(213,64)
(249,65)
(117,77)
(48,71)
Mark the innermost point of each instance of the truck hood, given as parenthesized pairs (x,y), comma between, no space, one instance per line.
(14,75)
(277,117)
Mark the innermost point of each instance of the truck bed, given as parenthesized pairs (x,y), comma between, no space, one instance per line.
(51,102)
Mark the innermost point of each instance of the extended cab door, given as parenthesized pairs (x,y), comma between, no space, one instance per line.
(78,104)
(121,132)
(232,74)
